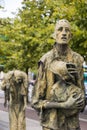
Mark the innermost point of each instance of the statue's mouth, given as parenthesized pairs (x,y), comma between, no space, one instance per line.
(64,38)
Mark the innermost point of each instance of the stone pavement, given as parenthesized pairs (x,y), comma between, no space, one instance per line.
(30,124)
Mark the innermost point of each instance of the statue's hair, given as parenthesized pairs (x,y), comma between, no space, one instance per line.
(62,21)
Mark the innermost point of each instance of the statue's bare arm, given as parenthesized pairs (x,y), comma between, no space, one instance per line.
(71,103)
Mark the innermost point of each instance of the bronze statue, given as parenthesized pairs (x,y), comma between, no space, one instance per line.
(15,87)
(59,95)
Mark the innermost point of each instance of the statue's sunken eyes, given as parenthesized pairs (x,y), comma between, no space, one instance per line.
(66,29)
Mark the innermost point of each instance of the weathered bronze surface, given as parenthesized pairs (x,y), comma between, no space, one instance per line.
(59,93)
(15,87)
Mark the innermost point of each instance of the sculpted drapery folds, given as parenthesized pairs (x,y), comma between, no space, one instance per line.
(59,92)
(15,88)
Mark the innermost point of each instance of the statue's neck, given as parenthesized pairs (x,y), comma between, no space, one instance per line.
(61,48)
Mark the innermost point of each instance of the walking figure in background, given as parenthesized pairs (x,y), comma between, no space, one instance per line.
(15,85)
(59,94)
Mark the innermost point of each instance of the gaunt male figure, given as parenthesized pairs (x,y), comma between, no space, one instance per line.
(59,92)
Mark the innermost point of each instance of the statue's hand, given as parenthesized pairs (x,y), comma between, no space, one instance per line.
(72,73)
(75,102)
(72,70)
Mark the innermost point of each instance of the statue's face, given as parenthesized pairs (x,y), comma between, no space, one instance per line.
(62,32)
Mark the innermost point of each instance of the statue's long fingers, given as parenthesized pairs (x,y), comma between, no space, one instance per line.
(77,97)
(81,103)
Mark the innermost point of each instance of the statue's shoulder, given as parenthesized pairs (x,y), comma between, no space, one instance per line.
(20,74)
(15,73)
(77,57)
(47,57)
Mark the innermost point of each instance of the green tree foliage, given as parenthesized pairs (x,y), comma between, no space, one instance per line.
(8,47)
(30,34)
(76,13)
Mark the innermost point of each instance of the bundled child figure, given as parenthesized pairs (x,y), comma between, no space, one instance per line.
(15,86)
